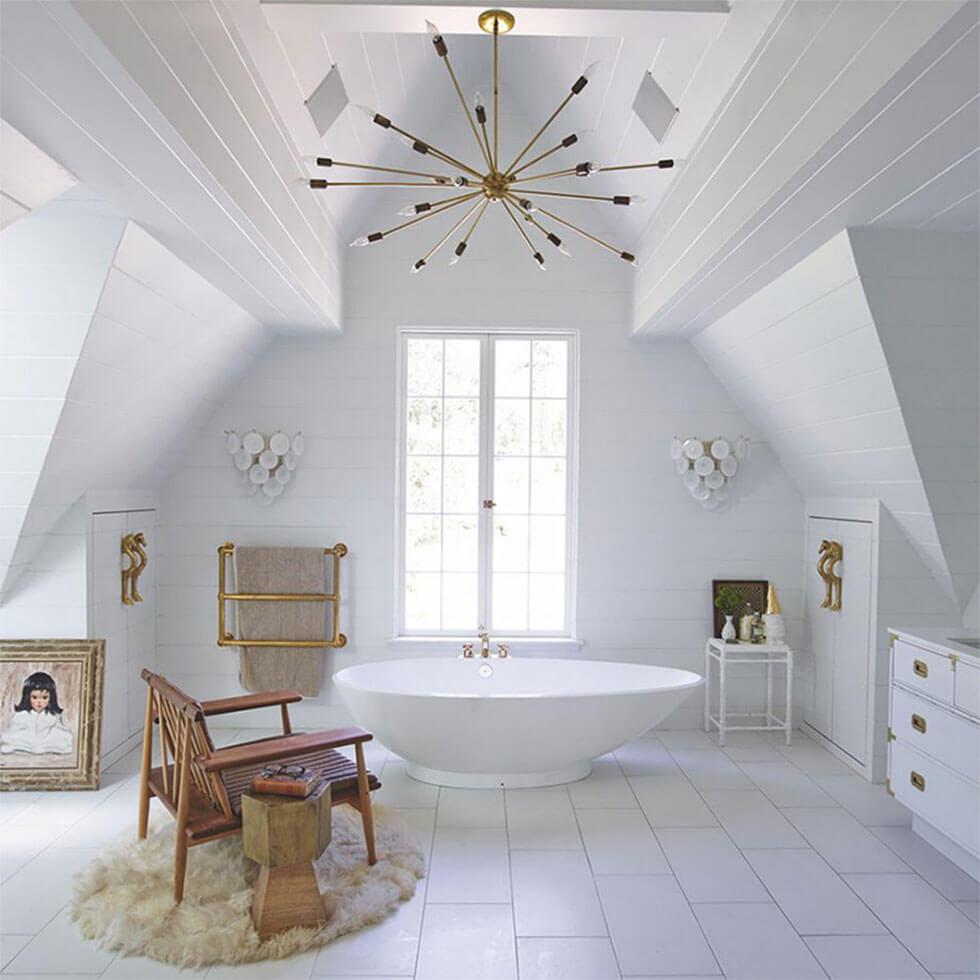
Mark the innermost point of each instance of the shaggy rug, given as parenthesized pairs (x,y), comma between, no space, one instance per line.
(124,900)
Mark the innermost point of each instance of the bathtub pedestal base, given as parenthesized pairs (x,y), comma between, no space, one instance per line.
(497,780)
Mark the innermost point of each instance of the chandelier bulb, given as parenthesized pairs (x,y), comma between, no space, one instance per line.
(587,168)
(461,181)
(432,29)
(410,210)
(564,251)
(359,242)
(527,205)
(539,258)
(418,266)
(638,199)
(590,71)
(480,109)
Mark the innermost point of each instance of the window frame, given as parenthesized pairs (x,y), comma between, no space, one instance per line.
(487,336)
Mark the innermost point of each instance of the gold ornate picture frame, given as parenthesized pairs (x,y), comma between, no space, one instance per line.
(51,713)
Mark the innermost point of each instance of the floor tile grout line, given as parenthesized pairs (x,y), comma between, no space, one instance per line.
(425,889)
(653,830)
(592,873)
(510,877)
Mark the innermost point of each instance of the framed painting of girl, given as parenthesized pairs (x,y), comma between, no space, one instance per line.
(50,713)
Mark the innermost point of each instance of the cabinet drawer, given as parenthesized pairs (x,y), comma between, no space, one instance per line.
(925,671)
(946,737)
(947,801)
(967,688)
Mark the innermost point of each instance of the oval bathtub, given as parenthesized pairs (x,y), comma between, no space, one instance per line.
(512,722)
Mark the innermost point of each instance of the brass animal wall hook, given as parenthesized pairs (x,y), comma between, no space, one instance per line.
(831,554)
(133,546)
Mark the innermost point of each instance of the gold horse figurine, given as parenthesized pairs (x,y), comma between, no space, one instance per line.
(831,554)
(133,547)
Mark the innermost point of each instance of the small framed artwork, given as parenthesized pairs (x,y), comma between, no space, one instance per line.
(50,713)
(752,591)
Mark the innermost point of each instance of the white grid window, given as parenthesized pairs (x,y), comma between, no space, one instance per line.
(486,471)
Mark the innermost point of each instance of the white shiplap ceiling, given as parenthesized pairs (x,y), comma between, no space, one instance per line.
(386,60)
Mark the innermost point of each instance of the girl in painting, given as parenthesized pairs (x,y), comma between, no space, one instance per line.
(37,726)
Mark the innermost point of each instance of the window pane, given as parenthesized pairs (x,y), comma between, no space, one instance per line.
(548,490)
(461,485)
(509,602)
(547,602)
(511,422)
(424,426)
(548,428)
(462,426)
(463,367)
(423,485)
(510,484)
(460,544)
(422,600)
(512,368)
(422,544)
(547,540)
(459,602)
(549,368)
(424,367)
(510,544)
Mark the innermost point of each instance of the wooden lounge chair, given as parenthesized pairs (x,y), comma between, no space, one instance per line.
(202,786)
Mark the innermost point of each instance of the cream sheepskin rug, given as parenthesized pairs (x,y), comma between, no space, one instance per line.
(124,900)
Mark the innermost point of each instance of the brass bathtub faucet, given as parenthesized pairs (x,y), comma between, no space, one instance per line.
(484,637)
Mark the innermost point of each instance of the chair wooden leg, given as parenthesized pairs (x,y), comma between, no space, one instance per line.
(180,866)
(364,803)
(145,766)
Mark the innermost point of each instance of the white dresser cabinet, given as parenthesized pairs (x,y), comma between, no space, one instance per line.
(934,740)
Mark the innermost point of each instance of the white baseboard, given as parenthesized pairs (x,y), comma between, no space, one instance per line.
(961,857)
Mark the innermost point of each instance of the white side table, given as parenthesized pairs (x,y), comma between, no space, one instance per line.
(769,654)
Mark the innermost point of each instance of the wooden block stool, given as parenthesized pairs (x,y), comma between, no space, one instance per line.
(285,835)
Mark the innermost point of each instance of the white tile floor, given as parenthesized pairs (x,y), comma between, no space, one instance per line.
(674,859)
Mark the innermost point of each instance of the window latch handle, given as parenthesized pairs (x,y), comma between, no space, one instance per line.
(488,505)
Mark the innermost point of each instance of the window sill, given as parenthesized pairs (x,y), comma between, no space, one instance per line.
(521,644)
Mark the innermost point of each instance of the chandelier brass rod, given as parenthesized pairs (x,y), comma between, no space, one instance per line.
(476,220)
(567,172)
(520,156)
(486,140)
(442,241)
(383,183)
(444,206)
(661,164)
(537,159)
(436,151)
(390,170)
(582,232)
(583,197)
(530,217)
(496,92)
(466,109)
(507,207)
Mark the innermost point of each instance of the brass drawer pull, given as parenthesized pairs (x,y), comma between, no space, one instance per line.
(918,781)
(921,668)
(919,723)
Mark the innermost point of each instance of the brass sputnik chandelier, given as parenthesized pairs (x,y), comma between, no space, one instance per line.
(510,186)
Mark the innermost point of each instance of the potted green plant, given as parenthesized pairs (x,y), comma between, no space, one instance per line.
(728,601)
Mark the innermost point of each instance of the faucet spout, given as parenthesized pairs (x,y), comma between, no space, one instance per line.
(484,643)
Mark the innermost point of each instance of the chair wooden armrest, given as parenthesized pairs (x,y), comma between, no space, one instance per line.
(281,748)
(245,702)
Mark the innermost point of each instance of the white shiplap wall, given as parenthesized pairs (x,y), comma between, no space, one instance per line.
(827,361)
(647,552)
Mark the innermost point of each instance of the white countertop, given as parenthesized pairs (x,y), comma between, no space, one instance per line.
(941,639)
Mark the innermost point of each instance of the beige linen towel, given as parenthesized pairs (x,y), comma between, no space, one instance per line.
(281,570)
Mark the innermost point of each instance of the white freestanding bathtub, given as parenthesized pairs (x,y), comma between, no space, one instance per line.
(511,722)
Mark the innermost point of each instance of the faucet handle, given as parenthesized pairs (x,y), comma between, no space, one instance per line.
(503,650)
(467,650)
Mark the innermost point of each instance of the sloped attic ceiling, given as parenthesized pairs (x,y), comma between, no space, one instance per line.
(848,114)
(860,365)
(28,177)
(111,347)
(386,60)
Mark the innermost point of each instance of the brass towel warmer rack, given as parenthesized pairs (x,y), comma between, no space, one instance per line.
(227,639)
